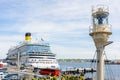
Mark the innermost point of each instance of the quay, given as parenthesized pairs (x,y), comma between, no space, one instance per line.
(69,74)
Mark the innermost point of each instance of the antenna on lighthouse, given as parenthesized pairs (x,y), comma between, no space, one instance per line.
(100,31)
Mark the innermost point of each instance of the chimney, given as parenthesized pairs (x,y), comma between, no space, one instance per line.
(28,36)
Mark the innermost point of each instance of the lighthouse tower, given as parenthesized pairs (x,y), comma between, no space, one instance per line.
(100,31)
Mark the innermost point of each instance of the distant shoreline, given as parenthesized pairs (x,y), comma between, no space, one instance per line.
(80,60)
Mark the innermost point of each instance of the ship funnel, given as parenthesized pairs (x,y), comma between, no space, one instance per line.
(28,36)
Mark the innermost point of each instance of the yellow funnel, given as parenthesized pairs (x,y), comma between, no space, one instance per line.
(28,36)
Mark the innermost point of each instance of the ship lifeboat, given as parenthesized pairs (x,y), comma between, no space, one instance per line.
(49,71)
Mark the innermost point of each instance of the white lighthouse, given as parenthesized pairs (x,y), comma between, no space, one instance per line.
(100,31)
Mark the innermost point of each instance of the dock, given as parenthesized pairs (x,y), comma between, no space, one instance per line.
(72,70)
(31,75)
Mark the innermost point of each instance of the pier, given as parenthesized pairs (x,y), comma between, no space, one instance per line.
(72,70)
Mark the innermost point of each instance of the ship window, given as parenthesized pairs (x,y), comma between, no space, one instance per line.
(38,48)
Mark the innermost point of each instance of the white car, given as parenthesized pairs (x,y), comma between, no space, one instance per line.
(2,75)
(23,70)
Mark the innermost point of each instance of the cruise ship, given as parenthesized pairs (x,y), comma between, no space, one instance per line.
(32,53)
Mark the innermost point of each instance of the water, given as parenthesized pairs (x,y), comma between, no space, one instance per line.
(112,72)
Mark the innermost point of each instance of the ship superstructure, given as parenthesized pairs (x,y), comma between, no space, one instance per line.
(36,54)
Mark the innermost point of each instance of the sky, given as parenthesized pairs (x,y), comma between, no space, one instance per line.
(64,24)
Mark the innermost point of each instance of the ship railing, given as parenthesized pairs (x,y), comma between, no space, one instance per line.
(25,43)
(37,54)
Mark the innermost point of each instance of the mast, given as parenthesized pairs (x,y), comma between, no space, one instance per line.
(100,31)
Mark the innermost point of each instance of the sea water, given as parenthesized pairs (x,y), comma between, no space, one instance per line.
(112,71)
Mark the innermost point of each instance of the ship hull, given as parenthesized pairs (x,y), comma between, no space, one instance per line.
(49,71)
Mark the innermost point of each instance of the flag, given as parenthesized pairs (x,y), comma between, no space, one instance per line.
(42,39)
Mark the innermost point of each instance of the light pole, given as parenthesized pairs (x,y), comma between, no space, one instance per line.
(18,64)
(100,32)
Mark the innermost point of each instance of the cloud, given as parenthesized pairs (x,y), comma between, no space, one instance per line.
(38,27)
(7,42)
(63,23)
(72,52)
(112,50)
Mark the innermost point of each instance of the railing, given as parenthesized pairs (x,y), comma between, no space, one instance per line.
(93,29)
(98,7)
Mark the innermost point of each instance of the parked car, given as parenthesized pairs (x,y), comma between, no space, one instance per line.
(11,77)
(2,75)
(22,69)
